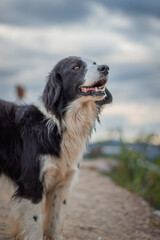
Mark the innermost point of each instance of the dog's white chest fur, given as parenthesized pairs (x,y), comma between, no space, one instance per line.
(78,122)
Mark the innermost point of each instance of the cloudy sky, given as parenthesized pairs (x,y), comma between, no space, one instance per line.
(123,34)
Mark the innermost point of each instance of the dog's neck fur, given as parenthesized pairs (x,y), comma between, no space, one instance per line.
(78,122)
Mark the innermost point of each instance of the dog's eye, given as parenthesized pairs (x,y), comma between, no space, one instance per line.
(76,67)
(94,63)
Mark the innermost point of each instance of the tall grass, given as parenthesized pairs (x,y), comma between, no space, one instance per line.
(138,177)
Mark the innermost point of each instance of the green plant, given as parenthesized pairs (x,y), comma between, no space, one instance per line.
(132,172)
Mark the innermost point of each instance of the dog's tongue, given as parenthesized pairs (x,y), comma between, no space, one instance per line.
(90,89)
(87,89)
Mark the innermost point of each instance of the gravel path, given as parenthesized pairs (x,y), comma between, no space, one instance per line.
(98,210)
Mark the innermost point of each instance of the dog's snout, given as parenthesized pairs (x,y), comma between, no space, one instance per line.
(103,69)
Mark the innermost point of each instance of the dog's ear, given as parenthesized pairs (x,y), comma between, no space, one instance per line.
(52,95)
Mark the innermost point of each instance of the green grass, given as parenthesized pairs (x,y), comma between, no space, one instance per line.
(93,156)
(132,175)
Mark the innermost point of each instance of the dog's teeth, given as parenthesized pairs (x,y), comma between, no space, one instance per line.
(84,89)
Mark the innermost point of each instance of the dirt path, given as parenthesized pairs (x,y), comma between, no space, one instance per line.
(98,210)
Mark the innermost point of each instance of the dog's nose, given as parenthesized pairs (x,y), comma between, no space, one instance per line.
(103,69)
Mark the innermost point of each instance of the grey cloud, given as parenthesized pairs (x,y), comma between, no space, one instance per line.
(49,12)
(19,59)
(136,7)
(134,71)
(99,51)
(37,13)
(7,94)
(7,73)
(135,82)
(143,30)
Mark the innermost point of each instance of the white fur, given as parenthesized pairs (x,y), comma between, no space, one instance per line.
(27,228)
(61,173)
(92,74)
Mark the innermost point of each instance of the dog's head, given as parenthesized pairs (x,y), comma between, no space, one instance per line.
(73,78)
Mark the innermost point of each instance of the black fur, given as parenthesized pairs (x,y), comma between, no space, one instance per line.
(24,138)
(62,85)
(108,99)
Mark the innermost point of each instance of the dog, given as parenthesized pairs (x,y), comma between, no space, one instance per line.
(41,146)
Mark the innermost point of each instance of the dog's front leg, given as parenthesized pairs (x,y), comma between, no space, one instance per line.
(27,220)
(58,200)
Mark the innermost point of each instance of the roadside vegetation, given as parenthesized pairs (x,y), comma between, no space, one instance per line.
(135,172)
(138,168)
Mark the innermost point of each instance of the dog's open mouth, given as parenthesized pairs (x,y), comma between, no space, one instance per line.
(97,89)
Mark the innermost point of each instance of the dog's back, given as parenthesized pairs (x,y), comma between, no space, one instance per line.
(7,124)
(8,136)
(7,112)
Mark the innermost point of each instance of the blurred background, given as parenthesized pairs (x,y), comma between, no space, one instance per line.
(123,34)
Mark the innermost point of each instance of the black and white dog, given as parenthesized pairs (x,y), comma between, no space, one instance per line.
(40,147)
